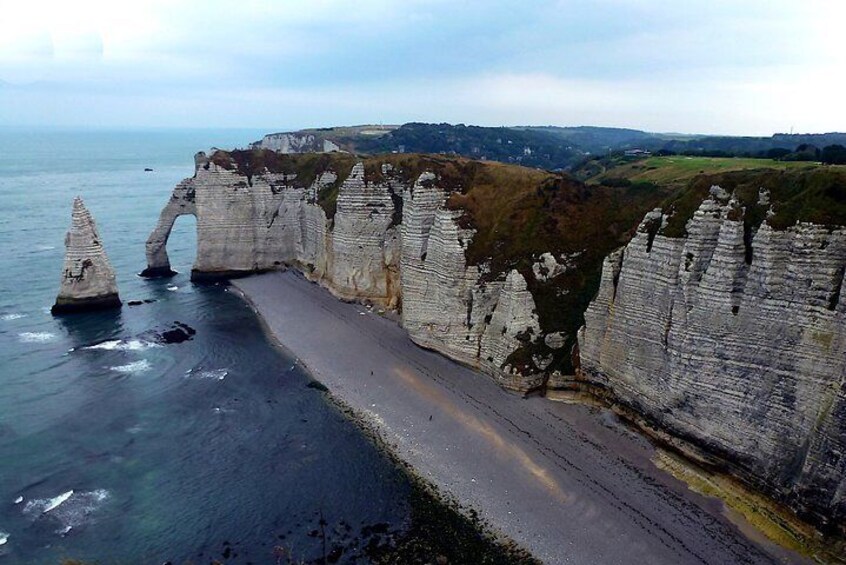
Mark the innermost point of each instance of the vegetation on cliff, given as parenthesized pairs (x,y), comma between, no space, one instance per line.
(798,191)
(566,148)
(521,213)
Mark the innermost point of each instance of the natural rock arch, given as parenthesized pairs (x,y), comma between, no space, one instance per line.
(181,203)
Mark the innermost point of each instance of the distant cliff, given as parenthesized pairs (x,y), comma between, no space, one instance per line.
(578,148)
(296,142)
(722,324)
(489,264)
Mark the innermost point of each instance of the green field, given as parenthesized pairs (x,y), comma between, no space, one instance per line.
(678,170)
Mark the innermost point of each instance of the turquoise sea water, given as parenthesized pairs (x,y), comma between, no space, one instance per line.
(119,449)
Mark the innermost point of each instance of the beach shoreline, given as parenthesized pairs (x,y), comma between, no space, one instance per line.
(571,484)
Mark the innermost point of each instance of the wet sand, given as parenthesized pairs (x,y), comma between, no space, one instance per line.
(570,483)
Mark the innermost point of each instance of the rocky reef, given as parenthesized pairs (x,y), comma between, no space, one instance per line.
(724,332)
(88,280)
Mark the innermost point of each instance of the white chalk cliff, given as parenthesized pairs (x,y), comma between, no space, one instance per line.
(729,342)
(734,341)
(389,242)
(296,142)
(88,280)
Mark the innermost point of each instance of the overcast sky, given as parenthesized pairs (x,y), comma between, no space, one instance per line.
(716,66)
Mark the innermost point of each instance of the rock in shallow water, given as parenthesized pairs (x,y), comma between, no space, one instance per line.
(178,334)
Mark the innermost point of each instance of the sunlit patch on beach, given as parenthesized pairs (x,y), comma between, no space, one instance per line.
(485,430)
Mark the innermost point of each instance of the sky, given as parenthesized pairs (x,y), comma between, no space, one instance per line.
(740,67)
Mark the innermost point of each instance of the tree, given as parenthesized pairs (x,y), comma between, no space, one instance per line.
(833,155)
(777,153)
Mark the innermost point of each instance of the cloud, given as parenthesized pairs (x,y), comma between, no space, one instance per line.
(722,66)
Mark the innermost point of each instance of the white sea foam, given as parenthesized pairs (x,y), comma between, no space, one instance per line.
(172,287)
(4,537)
(54,503)
(134,367)
(12,316)
(138,345)
(121,345)
(44,247)
(44,505)
(212,374)
(19,499)
(36,337)
(71,509)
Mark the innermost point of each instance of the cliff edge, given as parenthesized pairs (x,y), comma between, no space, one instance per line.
(719,326)
(725,330)
(483,261)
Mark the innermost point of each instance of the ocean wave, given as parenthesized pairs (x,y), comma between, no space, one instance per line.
(44,247)
(134,367)
(19,499)
(212,374)
(172,287)
(44,505)
(70,509)
(121,345)
(12,316)
(4,537)
(36,337)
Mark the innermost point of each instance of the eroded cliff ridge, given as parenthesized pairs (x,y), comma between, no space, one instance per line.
(487,263)
(722,325)
(88,280)
(719,326)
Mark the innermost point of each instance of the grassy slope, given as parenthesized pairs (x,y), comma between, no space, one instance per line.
(799,191)
(679,170)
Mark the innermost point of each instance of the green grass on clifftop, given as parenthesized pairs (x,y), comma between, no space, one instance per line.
(816,194)
(678,170)
(799,191)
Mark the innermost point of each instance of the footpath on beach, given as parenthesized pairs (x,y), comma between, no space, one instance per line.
(570,483)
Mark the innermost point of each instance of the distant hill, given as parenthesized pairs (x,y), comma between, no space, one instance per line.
(545,147)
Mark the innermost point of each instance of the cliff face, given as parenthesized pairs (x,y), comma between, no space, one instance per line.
(733,339)
(88,280)
(725,334)
(446,304)
(387,240)
(296,142)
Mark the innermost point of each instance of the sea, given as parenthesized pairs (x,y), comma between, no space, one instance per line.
(116,447)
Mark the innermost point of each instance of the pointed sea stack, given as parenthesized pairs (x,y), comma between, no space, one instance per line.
(88,280)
